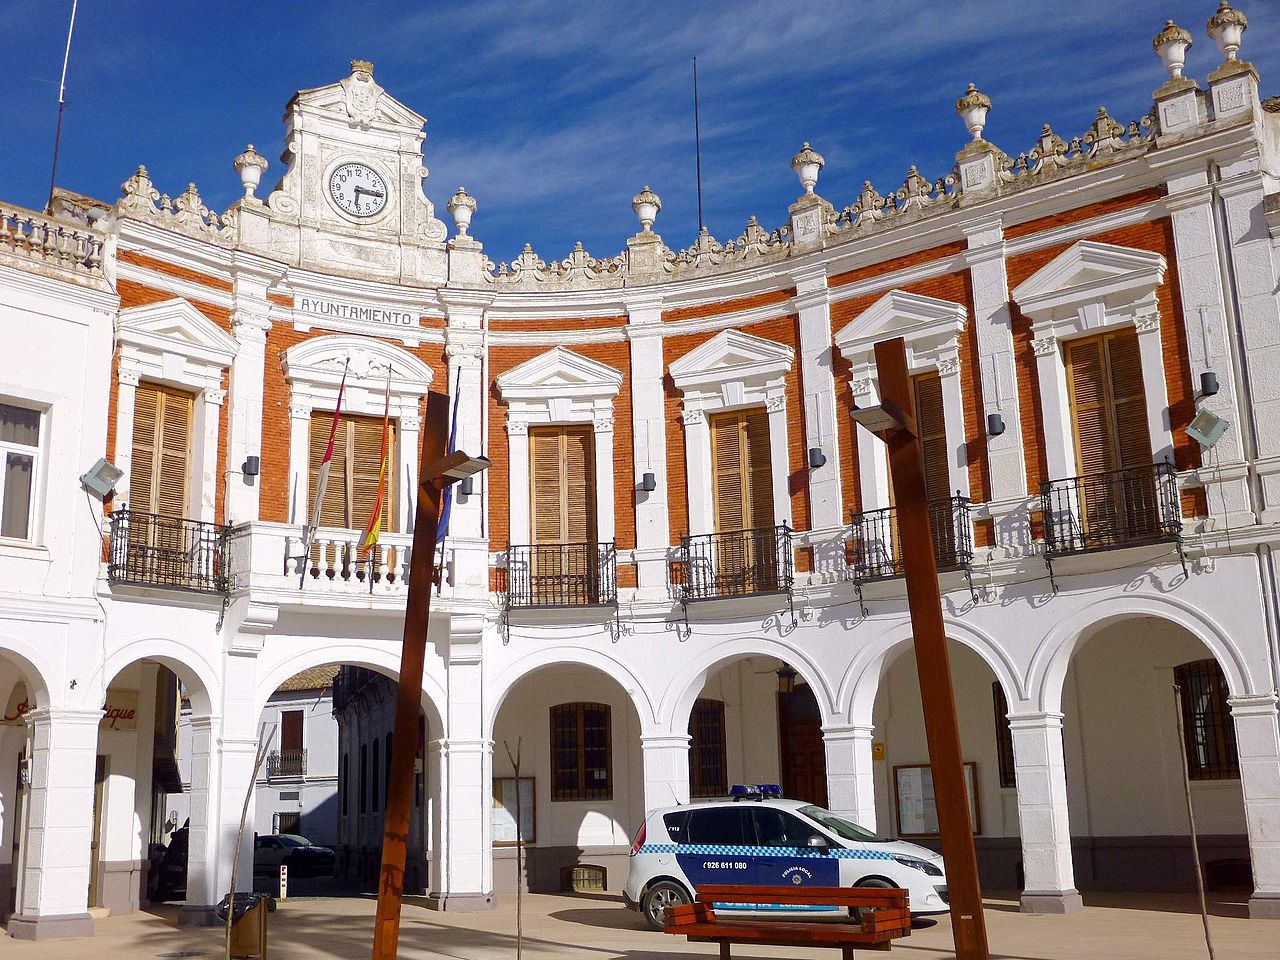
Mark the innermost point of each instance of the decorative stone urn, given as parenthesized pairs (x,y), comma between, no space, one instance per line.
(646,205)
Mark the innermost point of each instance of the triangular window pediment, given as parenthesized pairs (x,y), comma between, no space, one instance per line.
(1089,273)
(732,355)
(924,322)
(175,326)
(561,372)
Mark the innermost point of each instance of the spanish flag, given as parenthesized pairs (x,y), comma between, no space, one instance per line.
(374,529)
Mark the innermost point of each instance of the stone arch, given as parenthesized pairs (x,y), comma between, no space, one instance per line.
(37,671)
(197,674)
(861,681)
(385,658)
(569,655)
(684,688)
(1048,670)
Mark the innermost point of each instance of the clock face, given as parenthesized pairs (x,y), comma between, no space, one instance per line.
(357,189)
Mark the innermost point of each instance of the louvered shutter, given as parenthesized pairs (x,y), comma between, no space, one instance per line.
(333,512)
(1087,380)
(561,496)
(726,442)
(1129,401)
(757,469)
(931,423)
(579,482)
(364,452)
(161,452)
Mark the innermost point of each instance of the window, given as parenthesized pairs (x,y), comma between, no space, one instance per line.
(742,472)
(720,825)
(289,823)
(19,449)
(931,423)
(707,774)
(290,731)
(1206,721)
(581,744)
(374,780)
(777,829)
(561,501)
(1004,736)
(352,489)
(160,460)
(364,777)
(1108,406)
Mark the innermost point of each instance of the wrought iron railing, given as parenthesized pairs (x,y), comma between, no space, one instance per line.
(561,575)
(286,763)
(877,548)
(737,563)
(1103,511)
(172,552)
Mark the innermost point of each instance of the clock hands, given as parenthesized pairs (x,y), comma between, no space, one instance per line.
(369,193)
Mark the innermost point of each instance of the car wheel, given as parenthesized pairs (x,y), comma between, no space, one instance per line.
(872,883)
(663,894)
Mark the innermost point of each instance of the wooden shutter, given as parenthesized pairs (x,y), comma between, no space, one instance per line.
(562,485)
(290,730)
(161,453)
(742,471)
(353,476)
(1128,400)
(1108,403)
(931,422)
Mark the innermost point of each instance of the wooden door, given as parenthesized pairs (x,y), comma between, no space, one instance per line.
(745,555)
(161,452)
(803,756)
(562,515)
(352,489)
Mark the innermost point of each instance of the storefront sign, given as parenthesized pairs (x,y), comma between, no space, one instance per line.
(120,712)
(337,310)
(19,705)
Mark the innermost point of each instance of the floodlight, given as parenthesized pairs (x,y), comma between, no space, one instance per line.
(1207,428)
(101,478)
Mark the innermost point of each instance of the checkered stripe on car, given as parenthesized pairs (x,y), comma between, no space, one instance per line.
(733,850)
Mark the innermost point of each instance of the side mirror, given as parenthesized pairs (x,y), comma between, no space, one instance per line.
(816,842)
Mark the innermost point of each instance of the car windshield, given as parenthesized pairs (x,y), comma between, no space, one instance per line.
(293,840)
(838,825)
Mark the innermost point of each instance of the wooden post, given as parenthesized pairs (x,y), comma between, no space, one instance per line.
(395,841)
(919,561)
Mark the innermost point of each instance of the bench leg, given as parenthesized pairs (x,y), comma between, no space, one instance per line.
(724,950)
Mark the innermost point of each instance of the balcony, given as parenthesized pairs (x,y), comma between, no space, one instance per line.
(147,550)
(334,562)
(1106,511)
(561,575)
(27,236)
(740,563)
(286,763)
(877,548)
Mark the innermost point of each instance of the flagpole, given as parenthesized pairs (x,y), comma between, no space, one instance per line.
(62,106)
(374,530)
(322,481)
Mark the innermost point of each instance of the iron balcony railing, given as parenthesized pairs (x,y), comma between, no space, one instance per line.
(877,547)
(172,552)
(1103,511)
(286,763)
(737,563)
(561,575)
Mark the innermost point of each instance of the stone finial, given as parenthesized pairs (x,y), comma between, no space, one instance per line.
(462,207)
(1226,27)
(807,164)
(362,66)
(973,107)
(1171,45)
(646,205)
(250,165)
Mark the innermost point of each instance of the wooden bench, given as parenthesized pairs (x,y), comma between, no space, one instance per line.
(884,916)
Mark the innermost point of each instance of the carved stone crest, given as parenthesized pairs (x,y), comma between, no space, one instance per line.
(362,94)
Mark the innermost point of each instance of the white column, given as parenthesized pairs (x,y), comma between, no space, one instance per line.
(779,460)
(299,463)
(1055,404)
(410,443)
(1258,749)
(851,789)
(953,414)
(1154,387)
(605,525)
(202,837)
(873,457)
(126,400)
(649,440)
(54,891)
(1048,877)
(204,467)
(518,481)
(697,454)
(994,327)
(666,769)
(244,425)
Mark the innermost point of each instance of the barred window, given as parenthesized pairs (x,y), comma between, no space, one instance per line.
(1206,722)
(1004,736)
(708,776)
(581,748)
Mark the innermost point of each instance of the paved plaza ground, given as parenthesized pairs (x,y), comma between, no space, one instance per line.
(599,928)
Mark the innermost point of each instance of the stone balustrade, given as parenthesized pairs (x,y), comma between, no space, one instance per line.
(30,236)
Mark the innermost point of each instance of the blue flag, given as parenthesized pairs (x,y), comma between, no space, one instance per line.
(445,508)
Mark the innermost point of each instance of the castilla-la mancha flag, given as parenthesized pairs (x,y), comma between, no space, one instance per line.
(323,479)
(374,529)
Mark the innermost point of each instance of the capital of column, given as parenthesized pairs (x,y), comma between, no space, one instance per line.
(848,731)
(130,378)
(665,741)
(476,746)
(70,716)
(214,396)
(1253,705)
(1040,720)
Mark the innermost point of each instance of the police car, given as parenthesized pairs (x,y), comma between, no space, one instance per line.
(757,837)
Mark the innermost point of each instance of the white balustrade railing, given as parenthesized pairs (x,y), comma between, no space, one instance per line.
(33,236)
(335,563)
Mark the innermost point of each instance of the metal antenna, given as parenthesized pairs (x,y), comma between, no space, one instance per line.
(62,106)
(697,142)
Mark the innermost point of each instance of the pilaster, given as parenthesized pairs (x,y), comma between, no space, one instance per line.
(1048,875)
(666,770)
(649,440)
(850,773)
(1258,748)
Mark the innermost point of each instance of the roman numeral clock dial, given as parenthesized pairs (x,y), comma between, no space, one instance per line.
(358,190)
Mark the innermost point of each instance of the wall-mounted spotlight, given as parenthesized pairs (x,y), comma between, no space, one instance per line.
(101,478)
(816,458)
(1208,383)
(466,485)
(251,466)
(648,483)
(1207,428)
(995,424)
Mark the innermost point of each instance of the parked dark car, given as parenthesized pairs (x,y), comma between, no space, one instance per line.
(300,855)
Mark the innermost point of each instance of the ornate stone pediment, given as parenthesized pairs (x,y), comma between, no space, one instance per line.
(926,323)
(176,327)
(732,355)
(321,360)
(1091,277)
(560,373)
(360,99)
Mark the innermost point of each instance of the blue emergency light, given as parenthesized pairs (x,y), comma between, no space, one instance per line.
(755,791)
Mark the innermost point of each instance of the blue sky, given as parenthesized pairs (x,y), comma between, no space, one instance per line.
(554,114)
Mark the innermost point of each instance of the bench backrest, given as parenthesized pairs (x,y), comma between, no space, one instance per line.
(869,897)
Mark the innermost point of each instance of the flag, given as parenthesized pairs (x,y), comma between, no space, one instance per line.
(442,527)
(323,479)
(374,528)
